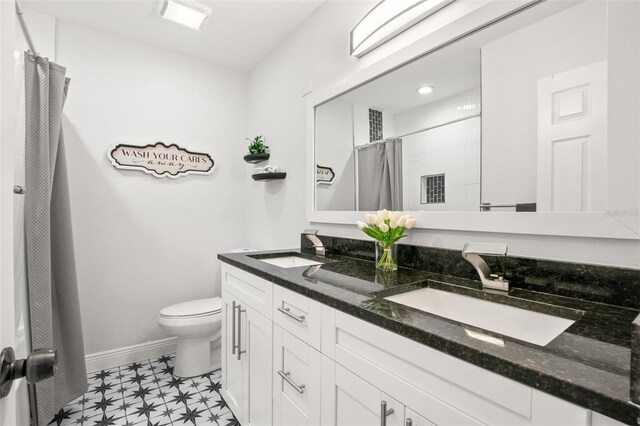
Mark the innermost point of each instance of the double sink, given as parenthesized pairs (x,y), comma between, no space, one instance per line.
(530,326)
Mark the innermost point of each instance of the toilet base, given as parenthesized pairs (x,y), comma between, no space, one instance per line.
(196,356)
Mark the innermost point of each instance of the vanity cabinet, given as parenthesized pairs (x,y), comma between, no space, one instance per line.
(302,362)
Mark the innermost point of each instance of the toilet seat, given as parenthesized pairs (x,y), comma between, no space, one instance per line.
(193,309)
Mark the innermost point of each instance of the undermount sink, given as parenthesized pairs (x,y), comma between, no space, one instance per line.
(290,261)
(521,324)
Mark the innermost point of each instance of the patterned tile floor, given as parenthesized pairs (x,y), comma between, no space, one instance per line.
(148,394)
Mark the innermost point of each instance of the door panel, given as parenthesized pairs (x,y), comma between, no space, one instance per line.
(348,400)
(572,140)
(302,363)
(232,374)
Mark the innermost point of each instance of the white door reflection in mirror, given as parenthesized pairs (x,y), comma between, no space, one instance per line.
(572,136)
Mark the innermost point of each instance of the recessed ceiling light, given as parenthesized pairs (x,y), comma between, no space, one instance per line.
(425,90)
(189,13)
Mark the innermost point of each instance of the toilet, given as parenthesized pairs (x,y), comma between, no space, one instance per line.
(197,325)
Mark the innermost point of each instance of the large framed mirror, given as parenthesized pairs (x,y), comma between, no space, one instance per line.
(529,124)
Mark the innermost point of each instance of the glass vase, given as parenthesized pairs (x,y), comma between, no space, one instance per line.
(386,255)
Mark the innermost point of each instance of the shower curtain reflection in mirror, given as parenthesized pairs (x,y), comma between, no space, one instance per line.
(379,174)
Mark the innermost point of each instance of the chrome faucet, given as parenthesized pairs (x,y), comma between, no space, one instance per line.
(472,251)
(312,235)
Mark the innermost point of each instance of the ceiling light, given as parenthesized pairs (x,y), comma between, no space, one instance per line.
(425,90)
(389,18)
(189,13)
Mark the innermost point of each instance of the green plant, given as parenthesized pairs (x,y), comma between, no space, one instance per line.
(257,146)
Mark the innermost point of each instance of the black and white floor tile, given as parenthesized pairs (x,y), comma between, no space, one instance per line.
(148,394)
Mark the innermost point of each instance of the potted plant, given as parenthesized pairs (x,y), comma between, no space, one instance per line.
(258,151)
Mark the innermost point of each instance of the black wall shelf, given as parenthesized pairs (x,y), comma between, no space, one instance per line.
(268,177)
(256,158)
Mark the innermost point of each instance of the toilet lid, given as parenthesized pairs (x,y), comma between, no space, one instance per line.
(193,308)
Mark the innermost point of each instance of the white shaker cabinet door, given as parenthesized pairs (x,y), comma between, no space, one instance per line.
(256,350)
(296,381)
(348,400)
(232,371)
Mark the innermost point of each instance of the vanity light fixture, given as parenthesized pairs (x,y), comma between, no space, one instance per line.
(424,90)
(389,18)
(189,13)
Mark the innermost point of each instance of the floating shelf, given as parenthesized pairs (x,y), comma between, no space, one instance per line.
(267,177)
(256,158)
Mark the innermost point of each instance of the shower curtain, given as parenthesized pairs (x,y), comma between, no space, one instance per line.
(380,175)
(54,308)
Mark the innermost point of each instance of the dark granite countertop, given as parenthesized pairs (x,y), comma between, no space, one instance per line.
(588,364)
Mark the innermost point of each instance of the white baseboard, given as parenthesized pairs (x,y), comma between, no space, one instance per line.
(122,356)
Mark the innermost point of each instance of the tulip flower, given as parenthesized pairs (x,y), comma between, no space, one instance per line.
(383,214)
(383,227)
(361,225)
(409,223)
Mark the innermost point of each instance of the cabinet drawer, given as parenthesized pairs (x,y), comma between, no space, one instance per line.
(298,315)
(296,381)
(250,289)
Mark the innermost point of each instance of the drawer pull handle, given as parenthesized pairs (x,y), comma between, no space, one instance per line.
(409,422)
(288,313)
(286,378)
(233,327)
(240,311)
(384,413)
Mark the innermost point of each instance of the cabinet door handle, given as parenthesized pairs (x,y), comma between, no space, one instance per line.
(384,413)
(286,377)
(240,311)
(288,313)
(408,422)
(233,327)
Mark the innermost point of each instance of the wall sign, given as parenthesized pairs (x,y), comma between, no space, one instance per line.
(161,160)
(324,175)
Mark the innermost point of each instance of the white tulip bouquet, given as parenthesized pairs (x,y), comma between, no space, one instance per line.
(387,228)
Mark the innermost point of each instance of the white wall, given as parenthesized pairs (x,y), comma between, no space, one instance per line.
(453,149)
(511,68)
(317,54)
(461,105)
(143,243)
(334,127)
(623,148)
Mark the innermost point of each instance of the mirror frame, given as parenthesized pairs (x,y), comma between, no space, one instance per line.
(458,20)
